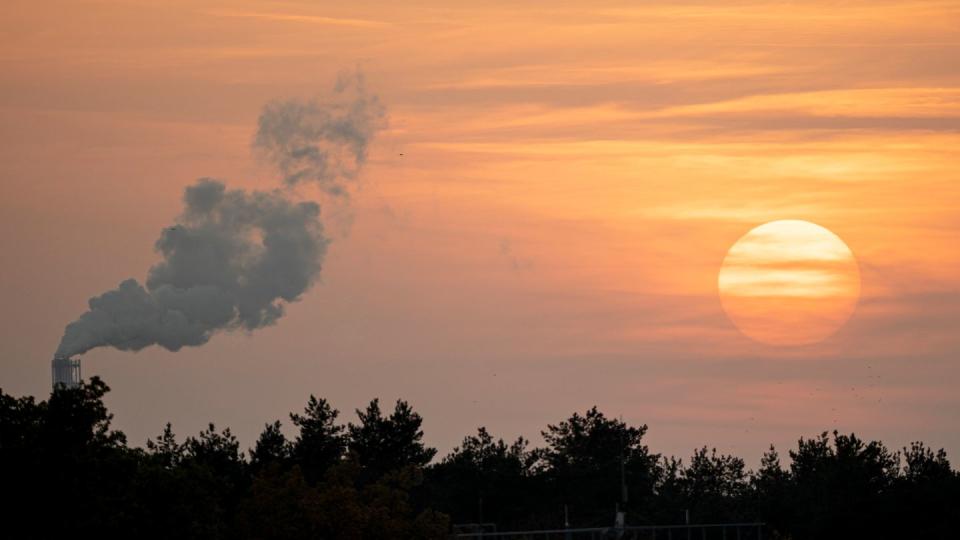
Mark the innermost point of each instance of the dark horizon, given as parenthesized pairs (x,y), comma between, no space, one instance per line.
(378,477)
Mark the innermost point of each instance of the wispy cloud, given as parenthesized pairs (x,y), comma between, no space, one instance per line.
(302,18)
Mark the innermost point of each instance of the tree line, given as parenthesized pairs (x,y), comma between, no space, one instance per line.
(65,471)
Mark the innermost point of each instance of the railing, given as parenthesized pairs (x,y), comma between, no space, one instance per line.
(710,531)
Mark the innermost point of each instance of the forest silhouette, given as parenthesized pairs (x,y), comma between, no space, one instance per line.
(66,471)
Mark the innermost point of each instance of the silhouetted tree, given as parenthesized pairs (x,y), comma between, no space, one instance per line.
(281,505)
(770,494)
(837,486)
(61,457)
(923,465)
(177,497)
(715,487)
(321,442)
(926,494)
(165,449)
(670,499)
(20,424)
(64,449)
(191,489)
(218,451)
(272,447)
(384,444)
(77,420)
(483,480)
(583,459)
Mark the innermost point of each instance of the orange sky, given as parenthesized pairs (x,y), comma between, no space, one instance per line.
(572,176)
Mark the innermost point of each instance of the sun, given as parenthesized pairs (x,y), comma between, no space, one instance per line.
(789,282)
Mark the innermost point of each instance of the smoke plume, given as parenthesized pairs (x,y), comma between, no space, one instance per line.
(323,142)
(234,259)
(231,262)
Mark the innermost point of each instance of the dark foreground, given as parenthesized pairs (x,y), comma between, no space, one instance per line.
(64,471)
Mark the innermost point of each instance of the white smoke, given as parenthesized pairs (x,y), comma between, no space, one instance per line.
(321,141)
(231,262)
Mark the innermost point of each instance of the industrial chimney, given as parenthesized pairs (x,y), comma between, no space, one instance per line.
(66,371)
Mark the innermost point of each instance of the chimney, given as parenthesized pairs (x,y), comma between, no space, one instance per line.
(66,371)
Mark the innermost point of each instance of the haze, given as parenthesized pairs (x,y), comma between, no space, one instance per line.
(538,229)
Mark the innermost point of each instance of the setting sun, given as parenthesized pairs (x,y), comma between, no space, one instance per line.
(789,282)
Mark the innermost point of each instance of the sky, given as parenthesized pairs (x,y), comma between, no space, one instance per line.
(538,227)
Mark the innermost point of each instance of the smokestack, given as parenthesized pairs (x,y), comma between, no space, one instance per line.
(66,371)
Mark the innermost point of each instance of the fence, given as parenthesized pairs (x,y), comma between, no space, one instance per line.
(713,531)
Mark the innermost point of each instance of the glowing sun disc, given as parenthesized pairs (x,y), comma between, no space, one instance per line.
(789,282)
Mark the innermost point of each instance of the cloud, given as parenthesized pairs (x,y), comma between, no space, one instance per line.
(303,18)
